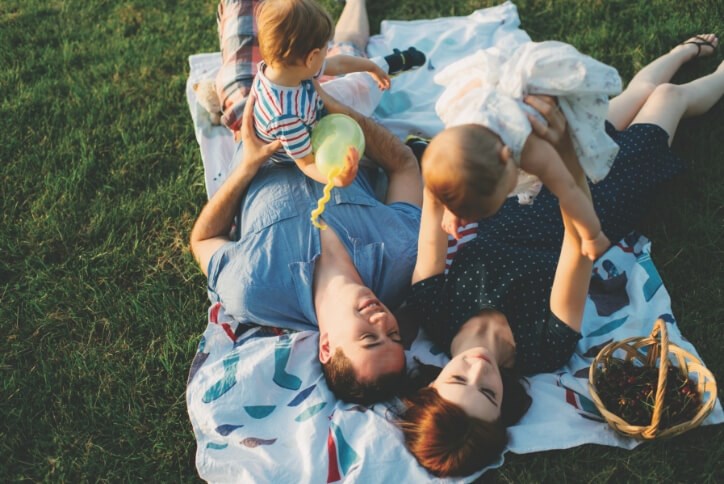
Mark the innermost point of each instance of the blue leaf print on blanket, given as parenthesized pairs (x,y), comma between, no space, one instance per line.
(282,352)
(259,411)
(347,455)
(301,396)
(226,429)
(310,412)
(608,327)
(226,382)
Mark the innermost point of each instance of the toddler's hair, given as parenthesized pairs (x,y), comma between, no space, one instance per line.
(461,166)
(288,30)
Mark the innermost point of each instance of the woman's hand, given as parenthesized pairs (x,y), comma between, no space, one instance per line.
(256,151)
(556,133)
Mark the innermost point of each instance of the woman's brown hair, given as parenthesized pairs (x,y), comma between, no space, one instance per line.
(288,30)
(447,441)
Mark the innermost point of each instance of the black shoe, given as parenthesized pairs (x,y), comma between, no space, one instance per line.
(405,60)
(417,145)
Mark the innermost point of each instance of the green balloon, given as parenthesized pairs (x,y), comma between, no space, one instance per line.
(331,140)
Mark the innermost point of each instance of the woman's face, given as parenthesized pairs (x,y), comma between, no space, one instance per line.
(472,381)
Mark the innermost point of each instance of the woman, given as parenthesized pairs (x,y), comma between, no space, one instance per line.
(506,306)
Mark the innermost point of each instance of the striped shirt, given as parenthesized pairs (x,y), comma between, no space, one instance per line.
(287,114)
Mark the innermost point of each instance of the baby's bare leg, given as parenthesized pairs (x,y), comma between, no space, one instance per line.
(624,108)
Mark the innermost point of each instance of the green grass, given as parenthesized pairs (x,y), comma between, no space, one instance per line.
(101,304)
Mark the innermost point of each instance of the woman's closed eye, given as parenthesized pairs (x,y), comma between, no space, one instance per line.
(487,392)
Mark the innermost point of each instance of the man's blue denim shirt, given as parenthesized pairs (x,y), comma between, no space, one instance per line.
(266,276)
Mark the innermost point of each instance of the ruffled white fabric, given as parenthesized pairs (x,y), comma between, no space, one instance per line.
(488,88)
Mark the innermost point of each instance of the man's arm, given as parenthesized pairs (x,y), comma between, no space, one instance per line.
(214,222)
(403,171)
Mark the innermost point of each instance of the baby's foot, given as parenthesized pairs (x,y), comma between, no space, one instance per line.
(701,45)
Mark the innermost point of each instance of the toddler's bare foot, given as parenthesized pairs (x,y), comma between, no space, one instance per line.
(701,45)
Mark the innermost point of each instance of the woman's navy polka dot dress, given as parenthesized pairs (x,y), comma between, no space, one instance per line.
(510,265)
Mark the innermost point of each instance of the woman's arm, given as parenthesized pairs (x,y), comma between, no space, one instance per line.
(214,222)
(403,171)
(432,240)
(573,273)
(339,65)
(539,158)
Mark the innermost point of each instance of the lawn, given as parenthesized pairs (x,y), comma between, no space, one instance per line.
(101,303)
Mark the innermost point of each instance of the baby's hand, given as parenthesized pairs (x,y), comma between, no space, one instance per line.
(350,171)
(381,77)
(595,248)
(451,223)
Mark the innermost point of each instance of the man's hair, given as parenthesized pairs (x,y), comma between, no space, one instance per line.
(447,441)
(461,165)
(344,384)
(288,30)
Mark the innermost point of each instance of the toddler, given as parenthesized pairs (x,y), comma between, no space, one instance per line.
(488,150)
(293,40)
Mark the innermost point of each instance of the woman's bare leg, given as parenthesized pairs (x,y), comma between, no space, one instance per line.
(353,24)
(624,108)
(669,103)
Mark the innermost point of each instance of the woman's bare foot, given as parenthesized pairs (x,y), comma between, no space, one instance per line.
(702,45)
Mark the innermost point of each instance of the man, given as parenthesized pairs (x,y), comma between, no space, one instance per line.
(285,273)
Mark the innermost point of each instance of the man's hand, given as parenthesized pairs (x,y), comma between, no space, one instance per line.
(256,151)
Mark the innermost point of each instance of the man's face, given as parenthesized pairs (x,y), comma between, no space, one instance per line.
(365,330)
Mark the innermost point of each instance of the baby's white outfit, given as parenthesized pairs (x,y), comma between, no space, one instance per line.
(488,88)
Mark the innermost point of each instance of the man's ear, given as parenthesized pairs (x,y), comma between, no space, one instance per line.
(309,61)
(325,354)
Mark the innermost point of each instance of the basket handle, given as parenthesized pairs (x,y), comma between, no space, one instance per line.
(663,353)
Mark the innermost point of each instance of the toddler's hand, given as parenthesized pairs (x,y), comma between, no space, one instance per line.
(350,171)
(451,223)
(381,77)
(595,248)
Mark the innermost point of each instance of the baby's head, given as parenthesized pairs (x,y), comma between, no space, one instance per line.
(469,170)
(293,33)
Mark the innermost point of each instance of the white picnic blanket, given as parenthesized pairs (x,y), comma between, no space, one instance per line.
(257,399)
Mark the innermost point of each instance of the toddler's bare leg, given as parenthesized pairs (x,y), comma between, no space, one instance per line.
(624,108)
(668,103)
(353,24)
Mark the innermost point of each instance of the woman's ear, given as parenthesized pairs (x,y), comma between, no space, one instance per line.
(311,57)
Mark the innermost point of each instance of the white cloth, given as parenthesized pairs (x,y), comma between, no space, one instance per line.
(488,88)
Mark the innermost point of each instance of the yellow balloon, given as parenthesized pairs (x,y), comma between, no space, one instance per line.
(331,140)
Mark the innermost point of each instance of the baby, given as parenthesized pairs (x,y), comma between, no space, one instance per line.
(293,41)
(488,150)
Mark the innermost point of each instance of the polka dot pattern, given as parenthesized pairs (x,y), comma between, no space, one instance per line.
(510,265)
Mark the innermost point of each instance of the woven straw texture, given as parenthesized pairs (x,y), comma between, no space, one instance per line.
(657,343)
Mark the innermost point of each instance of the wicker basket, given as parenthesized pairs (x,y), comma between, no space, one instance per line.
(630,350)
